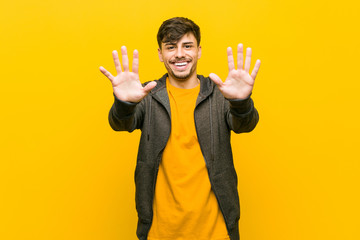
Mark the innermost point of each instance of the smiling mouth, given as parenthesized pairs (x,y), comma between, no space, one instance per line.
(180,65)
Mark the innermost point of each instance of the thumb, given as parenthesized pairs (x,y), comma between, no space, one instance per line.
(149,86)
(216,79)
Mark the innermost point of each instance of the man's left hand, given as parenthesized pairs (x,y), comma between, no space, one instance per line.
(239,83)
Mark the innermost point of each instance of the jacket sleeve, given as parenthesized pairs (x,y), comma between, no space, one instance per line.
(242,115)
(126,116)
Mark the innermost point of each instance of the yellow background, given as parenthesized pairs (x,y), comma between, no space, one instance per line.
(64,174)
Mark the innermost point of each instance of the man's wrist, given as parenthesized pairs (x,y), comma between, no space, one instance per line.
(241,106)
(123,108)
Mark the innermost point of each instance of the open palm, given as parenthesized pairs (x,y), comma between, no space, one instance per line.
(126,85)
(239,83)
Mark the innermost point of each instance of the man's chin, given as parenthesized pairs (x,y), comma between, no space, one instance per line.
(180,76)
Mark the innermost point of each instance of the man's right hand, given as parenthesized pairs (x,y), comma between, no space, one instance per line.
(126,85)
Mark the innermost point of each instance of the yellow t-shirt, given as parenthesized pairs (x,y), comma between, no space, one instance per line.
(185,207)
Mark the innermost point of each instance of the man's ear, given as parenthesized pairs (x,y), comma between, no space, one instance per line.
(199,52)
(160,55)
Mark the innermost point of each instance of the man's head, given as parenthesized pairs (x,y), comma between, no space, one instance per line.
(179,47)
(175,28)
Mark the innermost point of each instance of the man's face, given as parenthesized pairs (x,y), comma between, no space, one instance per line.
(180,58)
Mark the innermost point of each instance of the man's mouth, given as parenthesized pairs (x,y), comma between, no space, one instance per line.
(180,65)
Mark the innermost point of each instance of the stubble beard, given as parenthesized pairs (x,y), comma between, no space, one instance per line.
(184,76)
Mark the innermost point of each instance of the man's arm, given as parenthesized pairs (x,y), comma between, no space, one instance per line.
(126,116)
(237,88)
(127,110)
(242,116)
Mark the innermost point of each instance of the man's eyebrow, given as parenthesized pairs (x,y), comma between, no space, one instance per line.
(174,43)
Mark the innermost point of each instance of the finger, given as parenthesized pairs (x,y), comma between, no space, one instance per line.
(216,79)
(256,69)
(125,59)
(107,74)
(135,64)
(230,59)
(240,56)
(116,61)
(247,60)
(149,86)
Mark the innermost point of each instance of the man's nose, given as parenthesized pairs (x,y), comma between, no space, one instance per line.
(180,52)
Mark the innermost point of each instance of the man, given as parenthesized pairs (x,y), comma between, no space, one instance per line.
(186,184)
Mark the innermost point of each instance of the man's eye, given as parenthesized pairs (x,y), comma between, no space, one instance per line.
(187,46)
(170,47)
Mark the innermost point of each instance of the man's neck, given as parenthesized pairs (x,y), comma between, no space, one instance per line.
(191,82)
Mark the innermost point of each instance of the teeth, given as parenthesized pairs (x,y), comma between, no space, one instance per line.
(180,64)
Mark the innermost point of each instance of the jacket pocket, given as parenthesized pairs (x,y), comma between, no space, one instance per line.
(144,178)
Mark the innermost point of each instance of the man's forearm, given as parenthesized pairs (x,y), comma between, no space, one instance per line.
(243,116)
(122,115)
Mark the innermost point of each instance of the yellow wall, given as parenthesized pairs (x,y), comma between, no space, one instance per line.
(64,174)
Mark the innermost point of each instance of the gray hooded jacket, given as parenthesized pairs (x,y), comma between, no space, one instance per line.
(214,117)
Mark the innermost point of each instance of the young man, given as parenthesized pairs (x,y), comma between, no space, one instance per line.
(186,184)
